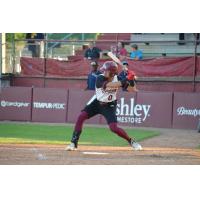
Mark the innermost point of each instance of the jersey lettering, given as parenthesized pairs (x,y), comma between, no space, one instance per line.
(108,94)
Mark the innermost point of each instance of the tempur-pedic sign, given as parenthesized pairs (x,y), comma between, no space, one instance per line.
(47,105)
(131,112)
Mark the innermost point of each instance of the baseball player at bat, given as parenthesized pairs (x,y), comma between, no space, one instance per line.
(104,102)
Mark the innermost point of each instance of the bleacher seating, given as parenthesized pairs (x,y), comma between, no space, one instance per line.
(162,48)
(157,48)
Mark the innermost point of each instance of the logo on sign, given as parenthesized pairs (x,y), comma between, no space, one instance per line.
(14,104)
(131,112)
(45,105)
(188,112)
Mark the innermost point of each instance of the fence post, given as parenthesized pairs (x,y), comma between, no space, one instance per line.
(83,36)
(13,53)
(45,58)
(195,62)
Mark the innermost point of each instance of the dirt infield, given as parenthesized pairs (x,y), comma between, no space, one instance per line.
(171,147)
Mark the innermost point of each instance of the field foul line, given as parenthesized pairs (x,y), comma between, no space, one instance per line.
(94,153)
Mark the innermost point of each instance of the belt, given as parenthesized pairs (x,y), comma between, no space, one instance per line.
(103,103)
(106,103)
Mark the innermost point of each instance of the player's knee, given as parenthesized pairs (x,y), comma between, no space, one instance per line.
(83,116)
(113,127)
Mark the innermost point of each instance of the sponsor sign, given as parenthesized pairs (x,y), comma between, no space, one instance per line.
(49,105)
(15,103)
(131,112)
(186,113)
(144,109)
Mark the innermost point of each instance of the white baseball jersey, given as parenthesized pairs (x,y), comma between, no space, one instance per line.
(104,95)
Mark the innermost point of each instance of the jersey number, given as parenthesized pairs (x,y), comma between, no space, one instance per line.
(110,97)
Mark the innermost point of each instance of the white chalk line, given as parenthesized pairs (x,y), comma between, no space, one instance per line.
(94,153)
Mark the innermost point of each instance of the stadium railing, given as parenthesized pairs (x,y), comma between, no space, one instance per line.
(69,48)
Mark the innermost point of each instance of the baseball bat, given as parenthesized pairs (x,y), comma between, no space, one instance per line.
(114,58)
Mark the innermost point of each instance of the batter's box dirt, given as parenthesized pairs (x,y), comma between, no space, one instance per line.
(47,154)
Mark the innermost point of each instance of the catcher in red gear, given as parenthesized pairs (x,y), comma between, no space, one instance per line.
(130,75)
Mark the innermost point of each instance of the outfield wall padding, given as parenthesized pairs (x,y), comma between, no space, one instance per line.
(145,109)
(77,101)
(159,108)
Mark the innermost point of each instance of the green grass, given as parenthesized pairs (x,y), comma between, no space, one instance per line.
(61,134)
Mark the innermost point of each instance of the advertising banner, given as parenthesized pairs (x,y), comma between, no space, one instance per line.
(145,109)
(186,110)
(49,105)
(15,103)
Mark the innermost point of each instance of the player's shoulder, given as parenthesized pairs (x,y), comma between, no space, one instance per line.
(98,73)
(100,80)
(101,77)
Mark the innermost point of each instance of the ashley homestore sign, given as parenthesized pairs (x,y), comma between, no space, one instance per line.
(131,112)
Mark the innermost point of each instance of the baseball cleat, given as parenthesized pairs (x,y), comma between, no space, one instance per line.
(136,146)
(71,147)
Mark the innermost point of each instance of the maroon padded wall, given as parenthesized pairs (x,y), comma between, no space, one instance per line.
(77,101)
(159,105)
(150,109)
(27,81)
(78,84)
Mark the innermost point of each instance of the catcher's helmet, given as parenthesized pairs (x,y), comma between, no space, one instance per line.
(94,63)
(111,67)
